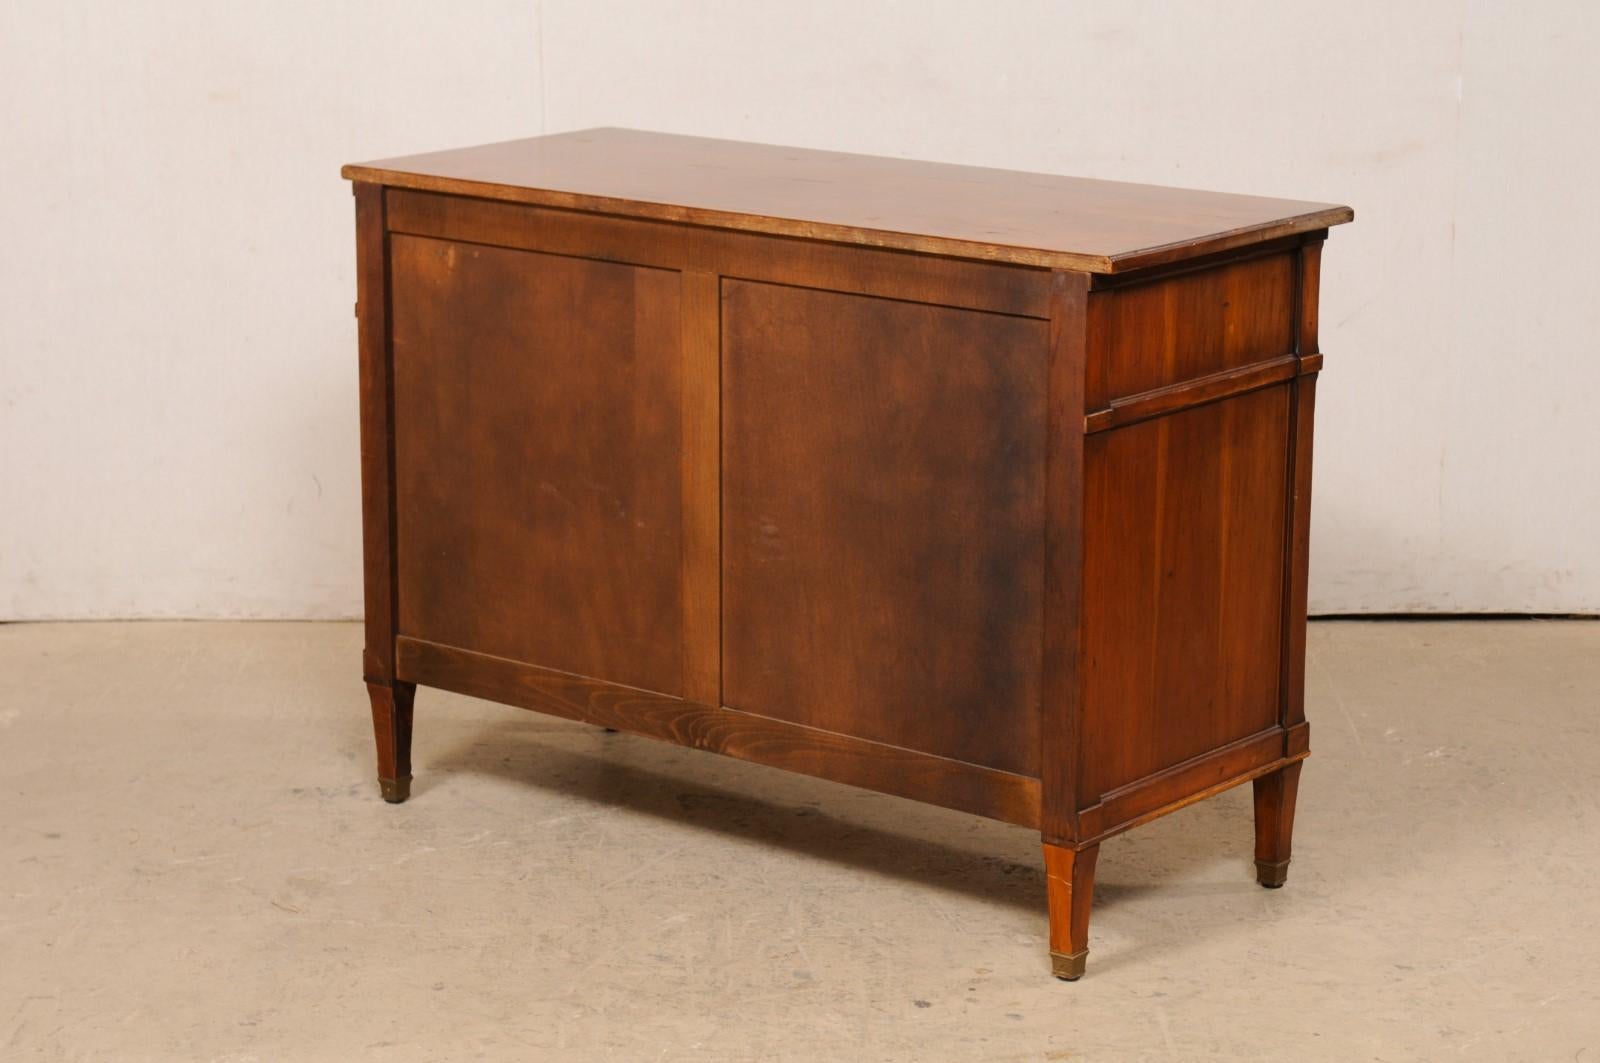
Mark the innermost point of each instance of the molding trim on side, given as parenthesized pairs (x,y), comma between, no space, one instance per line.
(1199,391)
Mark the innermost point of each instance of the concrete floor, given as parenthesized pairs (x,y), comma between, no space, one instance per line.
(197,866)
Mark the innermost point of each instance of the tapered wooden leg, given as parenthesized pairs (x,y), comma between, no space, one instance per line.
(1275,795)
(391,726)
(1069,880)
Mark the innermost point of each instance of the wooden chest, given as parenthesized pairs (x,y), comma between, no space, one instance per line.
(983,488)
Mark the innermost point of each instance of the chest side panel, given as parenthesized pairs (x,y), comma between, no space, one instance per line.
(1183,585)
(1188,457)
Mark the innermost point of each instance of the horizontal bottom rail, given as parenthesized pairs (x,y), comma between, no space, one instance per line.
(732,732)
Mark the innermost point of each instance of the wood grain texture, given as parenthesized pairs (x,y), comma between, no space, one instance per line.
(1183,577)
(1172,788)
(883,522)
(1297,564)
(745,736)
(1310,289)
(1061,706)
(377,435)
(1193,325)
(1274,806)
(961,211)
(1069,890)
(985,489)
(1278,245)
(1297,535)
(999,288)
(702,487)
(1193,392)
(539,459)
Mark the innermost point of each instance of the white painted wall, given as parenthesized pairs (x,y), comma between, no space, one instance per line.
(177,346)
(177,374)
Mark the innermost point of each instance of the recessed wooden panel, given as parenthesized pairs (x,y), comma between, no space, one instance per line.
(883,520)
(1183,586)
(538,447)
(1153,335)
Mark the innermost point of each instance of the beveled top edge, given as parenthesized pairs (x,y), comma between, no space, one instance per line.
(1007,216)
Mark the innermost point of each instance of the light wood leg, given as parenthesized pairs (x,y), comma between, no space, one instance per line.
(1069,878)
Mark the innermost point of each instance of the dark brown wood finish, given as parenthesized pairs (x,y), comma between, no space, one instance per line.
(852,539)
(745,736)
(1171,398)
(702,487)
(377,433)
(1186,328)
(1297,567)
(985,489)
(962,211)
(1183,581)
(391,728)
(538,452)
(806,263)
(1061,708)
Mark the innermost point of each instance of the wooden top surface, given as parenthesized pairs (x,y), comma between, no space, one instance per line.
(963,211)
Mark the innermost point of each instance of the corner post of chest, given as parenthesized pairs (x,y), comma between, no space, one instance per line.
(377,433)
(1275,793)
(391,699)
(1069,857)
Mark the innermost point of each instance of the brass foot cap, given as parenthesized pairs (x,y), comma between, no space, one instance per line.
(1069,967)
(1272,874)
(395,790)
